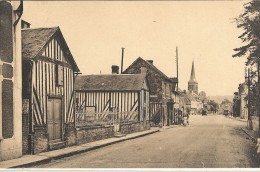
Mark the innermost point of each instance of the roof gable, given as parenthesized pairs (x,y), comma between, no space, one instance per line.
(116,82)
(54,50)
(151,66)
(35,40)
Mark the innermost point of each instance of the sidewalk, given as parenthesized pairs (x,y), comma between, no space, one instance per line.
(45,157)
(238,118)
(251,133)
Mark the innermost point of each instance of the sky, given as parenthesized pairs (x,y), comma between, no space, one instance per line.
(204,31)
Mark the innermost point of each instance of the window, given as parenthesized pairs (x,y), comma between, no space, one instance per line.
(59,75)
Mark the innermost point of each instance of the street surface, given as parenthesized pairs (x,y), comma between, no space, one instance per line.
(211,141)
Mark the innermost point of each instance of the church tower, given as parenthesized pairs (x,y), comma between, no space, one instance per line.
(193,84)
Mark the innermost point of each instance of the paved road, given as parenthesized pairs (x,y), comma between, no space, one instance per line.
(209,141)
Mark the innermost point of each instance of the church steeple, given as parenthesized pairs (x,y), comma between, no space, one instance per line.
(192,75)
(193,84)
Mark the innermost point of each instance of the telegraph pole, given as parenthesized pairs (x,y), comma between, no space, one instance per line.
(177,67)
(122,60)
(249,103)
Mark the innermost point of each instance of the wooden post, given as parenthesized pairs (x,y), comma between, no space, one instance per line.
(122,60)
(177,64)
(249,104)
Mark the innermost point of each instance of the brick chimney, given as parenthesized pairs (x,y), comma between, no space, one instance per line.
(25,24)
(115,69)
(150,61)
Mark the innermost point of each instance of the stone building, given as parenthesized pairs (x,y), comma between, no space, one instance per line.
(193,84)
(161,87)
(10,80)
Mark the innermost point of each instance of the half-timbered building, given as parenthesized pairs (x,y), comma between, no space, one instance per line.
(161,87)
(48,84)
(113,99)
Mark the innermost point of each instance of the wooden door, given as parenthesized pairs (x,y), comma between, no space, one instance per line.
(54,119)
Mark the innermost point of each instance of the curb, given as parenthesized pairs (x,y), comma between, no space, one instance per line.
(236,119)
(87,149)
(252,138)
(255,140)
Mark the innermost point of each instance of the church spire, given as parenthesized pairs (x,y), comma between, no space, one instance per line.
(193,84)
(192,75)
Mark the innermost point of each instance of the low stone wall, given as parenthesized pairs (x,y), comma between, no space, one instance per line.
(132,127)
(40,141)
(94,133)
(70,134)
(81,135)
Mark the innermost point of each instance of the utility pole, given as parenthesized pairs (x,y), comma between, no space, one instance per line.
(177,67)
(249,103)
(122,60)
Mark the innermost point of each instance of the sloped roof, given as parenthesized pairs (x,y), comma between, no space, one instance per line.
(151,65)
(184,100)
(113,82)
(174,79)
(191,97)
(34,40)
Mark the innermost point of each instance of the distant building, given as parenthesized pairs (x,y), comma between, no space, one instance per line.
(194,101)
(236,105)
(243,92)
(193,84)
(161,87)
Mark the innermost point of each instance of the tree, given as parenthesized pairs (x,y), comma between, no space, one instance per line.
(214,105)
(249,21)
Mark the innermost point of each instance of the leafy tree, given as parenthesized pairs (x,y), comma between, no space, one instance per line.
(214,105)
(225,101)
(249,21)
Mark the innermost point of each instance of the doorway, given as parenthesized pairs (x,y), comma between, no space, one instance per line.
(54,113)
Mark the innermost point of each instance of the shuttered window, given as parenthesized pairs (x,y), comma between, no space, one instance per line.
(6,35)
(59,74)
(7,108)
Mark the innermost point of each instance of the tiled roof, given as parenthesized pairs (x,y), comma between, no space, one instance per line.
(149,64)
(33,40)
(175,80)
(113,82)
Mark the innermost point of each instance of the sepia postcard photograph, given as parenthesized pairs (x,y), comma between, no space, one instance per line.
(110,85)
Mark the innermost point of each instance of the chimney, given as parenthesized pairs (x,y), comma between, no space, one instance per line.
(150,61)
(25,24)
(143,70)
(115,69)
